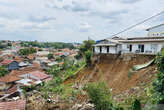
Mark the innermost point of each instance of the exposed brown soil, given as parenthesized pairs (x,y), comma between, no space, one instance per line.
(114,71)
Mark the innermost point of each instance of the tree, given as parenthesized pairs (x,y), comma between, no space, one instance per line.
(3,71)
(100,96)
(78,56)
(136,105)
(158,83)
(87,45)
(68,63)
(27,51)
(88,55)
(54,70)
(50,56)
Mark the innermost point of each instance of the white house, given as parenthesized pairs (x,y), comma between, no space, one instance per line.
(107,46)
(152,44)
(140,45)
(144,45)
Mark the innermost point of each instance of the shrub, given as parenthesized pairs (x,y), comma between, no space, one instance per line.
(136,105)
(54,70)
(50,56)
(88,55)
(158,83)
(27,51)
(3,71)
(100,96)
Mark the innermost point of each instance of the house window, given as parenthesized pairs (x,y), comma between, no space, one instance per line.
(93,49)
(141,48)
(162,34)
(154,46)
(128,46)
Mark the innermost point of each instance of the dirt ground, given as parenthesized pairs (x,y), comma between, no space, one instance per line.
(114,71)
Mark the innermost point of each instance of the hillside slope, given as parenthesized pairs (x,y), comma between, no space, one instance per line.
(114,71)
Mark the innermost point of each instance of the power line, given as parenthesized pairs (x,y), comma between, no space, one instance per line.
(137,24)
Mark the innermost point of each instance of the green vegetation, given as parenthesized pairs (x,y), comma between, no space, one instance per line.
(101,96)
(54,70)
(2,46)
(79,56)
(136,105)
(86,51)
(158,84)
(68,63)
(88,55)
(56,45)
(67,70)
(87,45)
(55,86)
(27,51)
(3,71)
(50,56)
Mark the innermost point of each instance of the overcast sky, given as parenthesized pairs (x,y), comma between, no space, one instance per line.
(75,20)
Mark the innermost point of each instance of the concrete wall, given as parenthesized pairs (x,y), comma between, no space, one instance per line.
(112,49)
(148,47)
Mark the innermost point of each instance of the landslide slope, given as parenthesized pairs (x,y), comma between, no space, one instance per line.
(114,70)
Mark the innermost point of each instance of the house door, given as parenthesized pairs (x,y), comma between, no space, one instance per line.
(93,49)
(100,49)
(142,48)
(107,49)
(130,48)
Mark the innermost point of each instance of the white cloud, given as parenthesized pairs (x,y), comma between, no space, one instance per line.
(85,27)
(75,20)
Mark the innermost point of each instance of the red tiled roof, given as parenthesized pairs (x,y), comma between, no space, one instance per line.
(61,63)
(48,79)
(59,53)
(31,57)
(12,90)
(6,62)
(41,75)
(14,105)
(9,78)
(23,71)
(18,59)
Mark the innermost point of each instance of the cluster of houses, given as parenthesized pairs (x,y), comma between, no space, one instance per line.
(151,44)
(26,71)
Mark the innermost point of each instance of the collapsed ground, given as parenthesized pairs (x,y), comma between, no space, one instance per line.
(112,69)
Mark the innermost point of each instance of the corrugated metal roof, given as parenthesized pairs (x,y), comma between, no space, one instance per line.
(154,27)
(9,78)
(13,105)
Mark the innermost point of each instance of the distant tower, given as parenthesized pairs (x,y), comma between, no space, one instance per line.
(89,38)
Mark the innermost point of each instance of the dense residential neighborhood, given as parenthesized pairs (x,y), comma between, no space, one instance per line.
(81,54)
(49,74)
(21,68)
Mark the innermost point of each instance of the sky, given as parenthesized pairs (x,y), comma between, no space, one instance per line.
(75,20)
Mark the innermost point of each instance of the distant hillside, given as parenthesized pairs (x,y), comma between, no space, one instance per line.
(56,45)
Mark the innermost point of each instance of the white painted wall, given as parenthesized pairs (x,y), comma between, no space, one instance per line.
(112,49)
(104,50)
(97,50)
(124,48)
(147,47)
